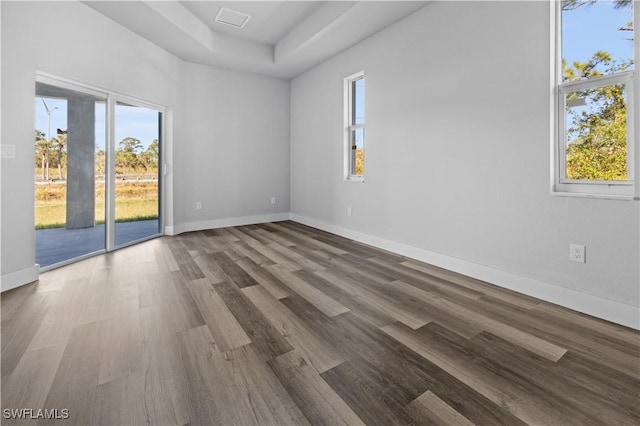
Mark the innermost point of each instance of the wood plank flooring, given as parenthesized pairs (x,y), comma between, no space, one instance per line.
(283,324)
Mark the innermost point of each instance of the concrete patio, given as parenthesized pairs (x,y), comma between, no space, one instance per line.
(60,244)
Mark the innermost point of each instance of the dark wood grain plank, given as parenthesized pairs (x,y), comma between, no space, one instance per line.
(574,398)
(298,259)
(233,272)
(264,336)
(319,403)
(301,239)
(425,282)
(307,343)
(274,236)
(184,260)
(376,296)
(265,278)
(320,300)
(237,387)
(359,385)
(223,326)
(454,355)
(347,298)
(244,250)
(600,347)
(394,375)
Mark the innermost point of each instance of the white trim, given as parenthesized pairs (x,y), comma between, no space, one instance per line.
(110,175)
(609,310)
(554,48)
(19,278)
(132,101)
(224,223)
(604,80)
(166,159)
(65,83)
(99,91)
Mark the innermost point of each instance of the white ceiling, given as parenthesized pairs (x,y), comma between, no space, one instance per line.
(270,20)
(281,39)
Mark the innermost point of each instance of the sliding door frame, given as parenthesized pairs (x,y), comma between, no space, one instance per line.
(111,98)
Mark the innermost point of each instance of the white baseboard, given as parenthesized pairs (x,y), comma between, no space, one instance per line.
(595,306)
(224,223)
(18,278)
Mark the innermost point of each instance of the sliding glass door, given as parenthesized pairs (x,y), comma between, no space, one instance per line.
(137,159)
(97,160)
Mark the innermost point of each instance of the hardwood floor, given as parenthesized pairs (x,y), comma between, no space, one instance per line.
(280,324)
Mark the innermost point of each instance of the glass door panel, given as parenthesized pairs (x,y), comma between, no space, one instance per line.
(70,133)
(137,159)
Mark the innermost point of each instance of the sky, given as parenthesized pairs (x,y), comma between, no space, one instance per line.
(140,123)
(590,28)
(359,107)
(359,112)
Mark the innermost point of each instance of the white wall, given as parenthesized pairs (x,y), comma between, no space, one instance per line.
(219,121)
(236,155)
(457,155)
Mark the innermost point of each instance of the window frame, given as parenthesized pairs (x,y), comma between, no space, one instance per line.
(560,185)
(350,126)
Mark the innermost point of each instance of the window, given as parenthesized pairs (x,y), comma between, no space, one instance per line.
(354,127)
(594,146)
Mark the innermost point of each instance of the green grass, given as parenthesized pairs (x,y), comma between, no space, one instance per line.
(134,201)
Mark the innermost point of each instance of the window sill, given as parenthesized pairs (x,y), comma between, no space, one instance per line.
(594,196)
(355,179)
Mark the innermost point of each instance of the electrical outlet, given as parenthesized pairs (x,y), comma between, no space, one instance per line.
(577,253)
(349,211)
(273,199)
(198,205)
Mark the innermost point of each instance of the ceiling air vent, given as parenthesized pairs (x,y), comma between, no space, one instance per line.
(232,17)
